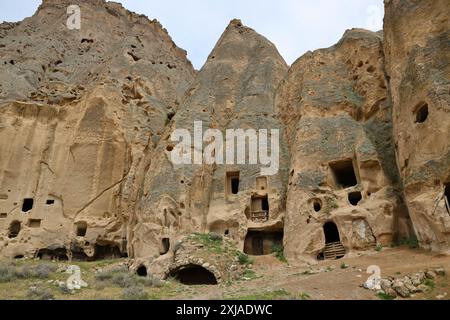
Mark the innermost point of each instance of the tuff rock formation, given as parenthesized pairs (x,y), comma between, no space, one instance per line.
(417,49)
(85,141)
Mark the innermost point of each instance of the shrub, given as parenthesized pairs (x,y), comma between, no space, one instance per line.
(134,293)
(150,281)
(124,280)
(7,273)
(43,271)
(243,258)
(104,275)
(378,248)
(278,249)
(37,293)
(344,265)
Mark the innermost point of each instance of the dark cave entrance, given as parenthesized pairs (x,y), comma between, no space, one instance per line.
(233,182)
(331,233)
(344,173)
(354,198)
(107,252)
(333,246)
(260,243)
(27,204)
(165,246)
(317,204)
(81,228)
(422,113)
(59,254)
(141,271)
(14,229)
(194,275)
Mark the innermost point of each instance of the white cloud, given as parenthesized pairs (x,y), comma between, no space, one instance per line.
(294,26)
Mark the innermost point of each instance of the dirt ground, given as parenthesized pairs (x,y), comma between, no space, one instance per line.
(280,280)
(271,279)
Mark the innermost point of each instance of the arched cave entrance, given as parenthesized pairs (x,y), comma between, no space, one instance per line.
(331,232)
(141,271)
(333,246)
(260,243)
(165,246)
(194,275)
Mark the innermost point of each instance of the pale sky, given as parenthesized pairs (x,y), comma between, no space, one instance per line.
(294,26)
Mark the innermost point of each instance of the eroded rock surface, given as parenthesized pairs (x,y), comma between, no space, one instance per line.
(85,140)
(417,47)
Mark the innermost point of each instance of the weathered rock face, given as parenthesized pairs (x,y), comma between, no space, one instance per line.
(343,176)
(79,109)
(417,48)
(87,117)
(235,89)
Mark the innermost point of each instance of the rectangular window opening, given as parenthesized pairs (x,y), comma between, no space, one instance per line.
(344,173)
(233,182)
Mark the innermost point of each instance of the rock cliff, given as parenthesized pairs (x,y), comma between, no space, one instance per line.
(87,118)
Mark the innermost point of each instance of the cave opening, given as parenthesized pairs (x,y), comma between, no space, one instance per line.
(14,229)
(422,113)
(317,205)
(58,254)
(81,228)
(331,232)
(27,204)
(260,243)
(107,252)
(194,275)
(141,271)
(354,198)
(233,182)
(333,246)
(344,173)
(50,202)
(165,246)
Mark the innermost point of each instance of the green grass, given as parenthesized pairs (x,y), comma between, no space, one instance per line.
(411,242)
(211,241)
(430,283)
(278,249)
(384,296)
(243,258)
(249,274)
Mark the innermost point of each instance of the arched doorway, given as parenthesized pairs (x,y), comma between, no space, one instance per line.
(331,232)
(193,275)
(333,246)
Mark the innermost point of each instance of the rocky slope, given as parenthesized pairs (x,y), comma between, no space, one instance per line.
(87,116)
